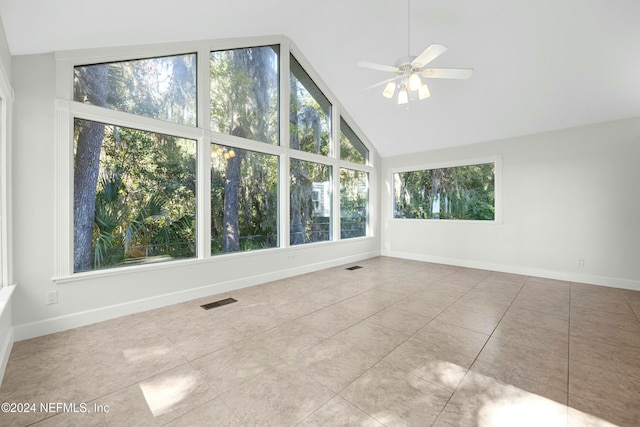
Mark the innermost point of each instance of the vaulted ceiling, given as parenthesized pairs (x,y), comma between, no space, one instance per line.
(538,65)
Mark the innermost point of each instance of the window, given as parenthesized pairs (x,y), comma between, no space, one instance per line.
(351,147)
(459,193)
(161,88)
(244,200)
(163,168)
(310,117)
(245,92)
(134,196)
(354,203)
(310,202)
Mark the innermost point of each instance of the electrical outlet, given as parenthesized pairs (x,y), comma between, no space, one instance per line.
(580,262)
(52,297)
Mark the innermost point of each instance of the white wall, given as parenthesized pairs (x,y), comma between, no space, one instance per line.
(94,299)
(568,194)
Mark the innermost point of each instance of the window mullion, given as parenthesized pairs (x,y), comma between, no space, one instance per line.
(284,185)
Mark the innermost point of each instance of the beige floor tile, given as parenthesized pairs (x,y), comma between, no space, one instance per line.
(536,338)
(371,338)
(395,397)
(290,339)
(213,413)
(425,321)
(235,364)
(362,307)
(526,362)
(616,359)
(157,400)
(339,413)
(282,396)
(455,338)
(400,321)
(543,303)
(252,320)
(483,401)
(606,388)
(604,330)
(473,321)
(334,364)
(420,306)
(330,320)
(405,287)
(537,319)
(430,362)
(522,382)
(199,342)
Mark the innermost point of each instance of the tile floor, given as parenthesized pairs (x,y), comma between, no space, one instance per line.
(395,343)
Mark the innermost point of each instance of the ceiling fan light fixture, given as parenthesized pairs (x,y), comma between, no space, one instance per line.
(414,81)
(389,90)
(403,96)
(423,92)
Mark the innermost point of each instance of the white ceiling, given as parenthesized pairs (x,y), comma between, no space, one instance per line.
(539,65)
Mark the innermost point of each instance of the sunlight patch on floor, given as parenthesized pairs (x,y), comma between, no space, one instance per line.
(164,394)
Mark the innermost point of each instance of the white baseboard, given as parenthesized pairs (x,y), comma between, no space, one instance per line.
(613,282)
(75,320)
(6,327)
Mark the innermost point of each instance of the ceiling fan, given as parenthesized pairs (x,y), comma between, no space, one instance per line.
(408,70)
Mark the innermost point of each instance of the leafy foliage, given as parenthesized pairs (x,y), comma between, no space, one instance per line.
(463,192)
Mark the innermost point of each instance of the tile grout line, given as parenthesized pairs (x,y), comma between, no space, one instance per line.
(483,346)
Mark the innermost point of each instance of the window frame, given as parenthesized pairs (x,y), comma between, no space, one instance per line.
(66,110)
(496,160)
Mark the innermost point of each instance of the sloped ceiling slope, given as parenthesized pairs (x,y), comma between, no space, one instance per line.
(538,65)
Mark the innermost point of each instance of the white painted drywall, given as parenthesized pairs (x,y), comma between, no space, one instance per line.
(567,194)
(94,299)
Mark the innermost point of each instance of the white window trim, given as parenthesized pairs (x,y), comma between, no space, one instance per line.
(67,110)
(497,160)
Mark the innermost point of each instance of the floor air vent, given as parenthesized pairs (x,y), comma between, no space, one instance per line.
(218,303)
(355,267)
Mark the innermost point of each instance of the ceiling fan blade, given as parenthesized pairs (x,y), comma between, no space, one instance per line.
(428,55)
(380,83)
(378,67)
(447,73)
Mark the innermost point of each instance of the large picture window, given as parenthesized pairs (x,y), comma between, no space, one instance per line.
(175,155)
(134,196)
(244,200)
(459,193)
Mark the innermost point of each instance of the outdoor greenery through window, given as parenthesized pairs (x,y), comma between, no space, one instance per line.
(459,193)
(310,202)
(161,88)
(351,147)
(354,203)
(310,116)
(245,93)
(244,200)
(137,178)
(134,196)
